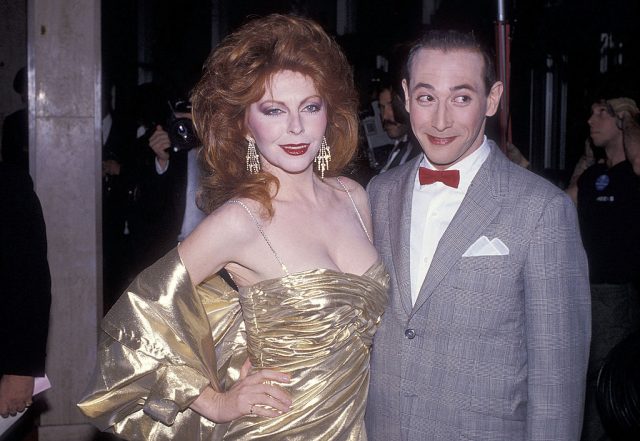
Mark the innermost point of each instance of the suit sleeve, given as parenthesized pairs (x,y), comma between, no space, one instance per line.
(25,281)
(558,324)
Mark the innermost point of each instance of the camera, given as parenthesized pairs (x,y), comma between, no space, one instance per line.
(182,133)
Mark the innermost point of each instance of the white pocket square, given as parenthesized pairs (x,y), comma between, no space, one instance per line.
(485,247)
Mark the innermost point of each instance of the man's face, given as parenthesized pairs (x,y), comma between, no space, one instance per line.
(448,103)
(393,128)
(602,126)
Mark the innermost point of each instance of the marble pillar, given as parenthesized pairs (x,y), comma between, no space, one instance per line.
(65,161)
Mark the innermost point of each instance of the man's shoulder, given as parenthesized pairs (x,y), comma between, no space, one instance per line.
(392,176)
(521,182)
(14,182)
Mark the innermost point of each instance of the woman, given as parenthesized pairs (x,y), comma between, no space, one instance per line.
(276,110)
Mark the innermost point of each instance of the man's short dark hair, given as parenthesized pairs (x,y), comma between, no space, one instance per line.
(452,40)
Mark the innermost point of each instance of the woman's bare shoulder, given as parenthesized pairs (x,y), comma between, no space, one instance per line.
(234,216)
(219,239)
(357,191)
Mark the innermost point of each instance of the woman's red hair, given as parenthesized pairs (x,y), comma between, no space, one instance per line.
(236,74)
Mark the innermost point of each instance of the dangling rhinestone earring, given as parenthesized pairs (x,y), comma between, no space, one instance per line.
(253,160)
(323,158)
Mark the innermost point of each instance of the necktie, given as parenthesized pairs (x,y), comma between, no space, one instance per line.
(447,177)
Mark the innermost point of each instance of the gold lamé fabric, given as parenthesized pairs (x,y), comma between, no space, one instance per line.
(317,326)
(164,342)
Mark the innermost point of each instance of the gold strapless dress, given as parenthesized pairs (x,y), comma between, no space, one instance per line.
(155,356)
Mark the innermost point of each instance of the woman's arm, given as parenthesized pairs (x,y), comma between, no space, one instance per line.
(222,238)
(252,394)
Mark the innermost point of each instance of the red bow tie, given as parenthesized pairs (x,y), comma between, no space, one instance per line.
(447,177)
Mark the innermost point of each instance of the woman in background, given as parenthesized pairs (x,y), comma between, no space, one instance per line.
(276,111)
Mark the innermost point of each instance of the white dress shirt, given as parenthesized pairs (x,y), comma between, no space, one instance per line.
(432,209)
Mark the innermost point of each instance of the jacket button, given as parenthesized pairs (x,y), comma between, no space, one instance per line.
(410,334)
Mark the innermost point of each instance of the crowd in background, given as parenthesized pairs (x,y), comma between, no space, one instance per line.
(150,183)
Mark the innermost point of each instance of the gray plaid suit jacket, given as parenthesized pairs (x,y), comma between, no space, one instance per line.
(495,347)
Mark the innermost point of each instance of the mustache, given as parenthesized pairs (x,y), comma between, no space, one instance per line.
(388,122)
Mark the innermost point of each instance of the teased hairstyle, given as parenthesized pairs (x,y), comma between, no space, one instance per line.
(236,75)
(623,104)
(452,40)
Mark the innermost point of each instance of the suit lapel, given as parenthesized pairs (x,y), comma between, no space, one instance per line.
(400,231)
(479,207)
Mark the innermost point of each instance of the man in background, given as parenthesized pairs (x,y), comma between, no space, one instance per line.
(25,290)
(395,121)
(609,212)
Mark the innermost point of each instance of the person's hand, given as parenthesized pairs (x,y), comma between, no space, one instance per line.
(110,167)
(16,392)
(160,144)
(252,394)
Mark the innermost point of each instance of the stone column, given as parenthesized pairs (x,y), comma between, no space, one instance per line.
(65,160)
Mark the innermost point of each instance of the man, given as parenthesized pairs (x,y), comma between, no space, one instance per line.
(486,336)
(15,128)
(25,290)
(165,209)
(609,213)
(395,122)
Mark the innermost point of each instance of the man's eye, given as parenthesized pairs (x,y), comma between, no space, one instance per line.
(462,99)
(425,98)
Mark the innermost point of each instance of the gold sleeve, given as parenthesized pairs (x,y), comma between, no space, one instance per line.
(160,345)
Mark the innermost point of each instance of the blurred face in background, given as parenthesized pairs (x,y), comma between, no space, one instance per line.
(602,126)
(393,128)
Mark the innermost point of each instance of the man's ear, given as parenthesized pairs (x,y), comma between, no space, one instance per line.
(493,100)
(405,87)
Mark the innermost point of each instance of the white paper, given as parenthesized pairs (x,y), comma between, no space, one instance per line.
(39,385)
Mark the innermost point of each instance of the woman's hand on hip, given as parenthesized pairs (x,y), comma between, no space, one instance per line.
(252,394)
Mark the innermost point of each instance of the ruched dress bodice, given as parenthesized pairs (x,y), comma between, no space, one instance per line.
(318,327)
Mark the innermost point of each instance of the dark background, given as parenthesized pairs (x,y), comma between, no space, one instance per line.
(167,42)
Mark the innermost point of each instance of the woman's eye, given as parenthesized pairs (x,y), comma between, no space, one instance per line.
(312,108)
(273,111)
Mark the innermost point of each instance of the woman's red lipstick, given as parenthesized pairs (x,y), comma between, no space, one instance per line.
(295,149)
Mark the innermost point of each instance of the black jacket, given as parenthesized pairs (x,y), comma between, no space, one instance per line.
(25,282)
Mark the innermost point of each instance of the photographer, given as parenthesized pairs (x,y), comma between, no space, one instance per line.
(164,208)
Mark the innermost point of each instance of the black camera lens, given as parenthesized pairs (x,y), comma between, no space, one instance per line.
(182,134)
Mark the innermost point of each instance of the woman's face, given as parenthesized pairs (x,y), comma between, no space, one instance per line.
(288,122)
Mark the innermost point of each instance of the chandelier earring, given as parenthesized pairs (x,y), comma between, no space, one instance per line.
(323,157)
(253,160)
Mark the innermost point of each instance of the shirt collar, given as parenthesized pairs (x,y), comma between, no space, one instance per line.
(468,166)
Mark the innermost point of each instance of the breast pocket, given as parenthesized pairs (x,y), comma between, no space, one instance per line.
(493,280)
(492,264)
